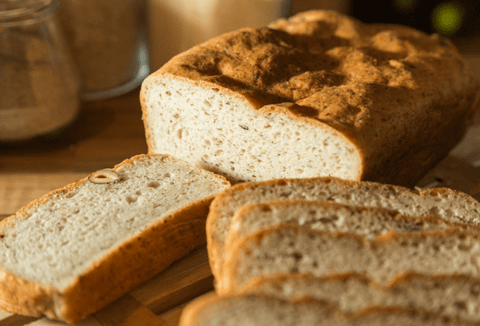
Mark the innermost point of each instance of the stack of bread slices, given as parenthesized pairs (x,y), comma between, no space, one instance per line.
(326,251)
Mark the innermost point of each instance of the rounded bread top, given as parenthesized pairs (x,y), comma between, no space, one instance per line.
(329,67)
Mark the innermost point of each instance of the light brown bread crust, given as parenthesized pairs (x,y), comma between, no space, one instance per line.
(450,295)
(130,263)
(402,97)
(232,274)
(204,309)
(253,217)
(222,209)
(397,282)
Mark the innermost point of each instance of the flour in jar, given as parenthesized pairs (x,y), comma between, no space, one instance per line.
(39,91)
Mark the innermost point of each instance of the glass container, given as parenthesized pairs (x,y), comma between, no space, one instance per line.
(39,85)
(107,42)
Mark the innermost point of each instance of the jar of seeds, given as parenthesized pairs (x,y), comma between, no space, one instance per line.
(39,85)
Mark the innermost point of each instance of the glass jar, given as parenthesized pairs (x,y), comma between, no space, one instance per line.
(107,42)
(39,85)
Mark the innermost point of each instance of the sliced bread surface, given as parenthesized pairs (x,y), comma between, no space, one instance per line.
(449,205)
(369,222)
(450,295)
(319,94)
(75,249)
(261,310)
(280,250)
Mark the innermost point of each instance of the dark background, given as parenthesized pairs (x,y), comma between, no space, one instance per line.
(418,14)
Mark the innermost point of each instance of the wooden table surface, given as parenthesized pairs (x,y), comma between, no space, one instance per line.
(107,132)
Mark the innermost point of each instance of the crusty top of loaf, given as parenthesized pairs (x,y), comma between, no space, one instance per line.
(331,68)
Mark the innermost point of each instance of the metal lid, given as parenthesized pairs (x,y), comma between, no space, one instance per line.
(21,12)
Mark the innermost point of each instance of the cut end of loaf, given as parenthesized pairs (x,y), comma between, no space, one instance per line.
(225,134)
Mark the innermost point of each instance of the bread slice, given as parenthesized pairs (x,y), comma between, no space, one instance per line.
(282,250)
(447,204)
(320,94)
(76,249)
(254,309)
(450,295)
(369,222)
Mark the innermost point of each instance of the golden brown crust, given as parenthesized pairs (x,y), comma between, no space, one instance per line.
(397,282)
(413,312)
(383,87)
(145,118)
(215,240)
(193,311)
(252,285)
(132,262)
(229,270)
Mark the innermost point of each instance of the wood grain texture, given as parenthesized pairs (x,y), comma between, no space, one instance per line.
(127,311)
(182,281)
(105,133)
(19,189)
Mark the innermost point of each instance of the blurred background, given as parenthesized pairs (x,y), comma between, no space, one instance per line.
(449,18)
(71,70)
(181,23)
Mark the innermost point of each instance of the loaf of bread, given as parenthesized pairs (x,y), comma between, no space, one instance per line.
(76,249)
(450,295)
(319,94)
(260,310)
(446,204)
(283,250)
(369,222)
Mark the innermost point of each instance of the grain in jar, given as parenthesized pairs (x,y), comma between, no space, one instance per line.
(39,86)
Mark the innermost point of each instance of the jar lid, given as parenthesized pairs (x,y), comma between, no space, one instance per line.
(15,12)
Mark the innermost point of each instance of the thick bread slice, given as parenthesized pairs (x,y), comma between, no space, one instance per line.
(320,94)
(76,249)
(452,295)
(447,204)
(260,310)
(369,222)
(282,250)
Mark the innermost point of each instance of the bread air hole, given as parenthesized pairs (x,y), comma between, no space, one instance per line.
(70,194)
(153,184)
(266,208)
(297,256)
(475,291)
(460,305)
(131,200)
(463,247)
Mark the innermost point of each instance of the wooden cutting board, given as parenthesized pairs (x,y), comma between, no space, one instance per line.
(160,300)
